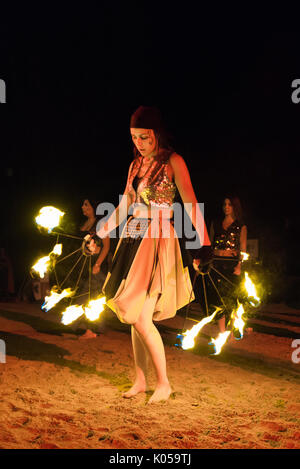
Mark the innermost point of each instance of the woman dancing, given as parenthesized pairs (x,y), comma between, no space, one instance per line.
(147,280)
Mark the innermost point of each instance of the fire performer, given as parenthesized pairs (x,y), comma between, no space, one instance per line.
(147,280)
(100,249)
(229,239)
(100,258)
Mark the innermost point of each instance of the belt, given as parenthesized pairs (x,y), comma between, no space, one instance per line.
(153,212)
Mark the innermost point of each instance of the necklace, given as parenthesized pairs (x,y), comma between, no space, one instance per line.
(147,170)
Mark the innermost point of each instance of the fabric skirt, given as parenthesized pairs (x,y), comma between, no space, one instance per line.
(147,263)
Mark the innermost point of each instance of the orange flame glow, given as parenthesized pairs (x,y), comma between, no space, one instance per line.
(49,217)
(41,266)
(72,313)
(55,297)
(220,341)
(94,308)
(238,320)
(189,336)
(251,290)
(245,256)
(57,250)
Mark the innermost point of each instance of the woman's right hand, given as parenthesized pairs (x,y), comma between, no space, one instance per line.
(96,269)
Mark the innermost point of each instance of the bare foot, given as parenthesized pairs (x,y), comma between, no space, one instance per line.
(161,393)
(134,390)
(88,335)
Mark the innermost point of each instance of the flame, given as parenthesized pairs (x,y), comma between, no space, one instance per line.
(42,265)
(251,290)
(57,250)
(49,217)
(94,308)
(189,336)
(72,313)
(55,297)
(245,256)
(238,321)
(220,341)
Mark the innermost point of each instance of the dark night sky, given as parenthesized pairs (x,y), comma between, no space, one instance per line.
(75,75)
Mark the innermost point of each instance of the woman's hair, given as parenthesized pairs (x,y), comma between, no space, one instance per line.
(163,143)
(236,205)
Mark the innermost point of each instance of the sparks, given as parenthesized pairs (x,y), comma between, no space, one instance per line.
(72,313)
(94,308)
(55,297)
(49,217)
(188,340)
(220,341)
(251,290)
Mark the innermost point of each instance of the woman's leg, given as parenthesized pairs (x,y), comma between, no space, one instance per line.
(141,360)
(154,344)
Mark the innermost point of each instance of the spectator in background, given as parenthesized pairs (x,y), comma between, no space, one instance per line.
(100,258)
(228,235)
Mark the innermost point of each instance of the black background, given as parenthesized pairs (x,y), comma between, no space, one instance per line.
(75,73)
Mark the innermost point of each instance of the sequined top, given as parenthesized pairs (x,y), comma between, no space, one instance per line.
(229,238)
(154,189)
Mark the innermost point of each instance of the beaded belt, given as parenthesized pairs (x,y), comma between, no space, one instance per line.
(136,228)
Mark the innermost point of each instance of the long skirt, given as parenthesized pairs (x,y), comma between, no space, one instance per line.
(147,263)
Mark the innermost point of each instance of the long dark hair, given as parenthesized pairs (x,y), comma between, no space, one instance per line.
(236,205)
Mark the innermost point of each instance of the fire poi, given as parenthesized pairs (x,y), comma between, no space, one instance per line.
(49,217)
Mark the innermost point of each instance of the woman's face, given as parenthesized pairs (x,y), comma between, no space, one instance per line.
(87,209)
(228,208)
(144,140)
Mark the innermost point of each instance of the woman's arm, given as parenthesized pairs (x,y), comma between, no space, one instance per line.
(120,213)
(243,248)
(103,253)
(183,182)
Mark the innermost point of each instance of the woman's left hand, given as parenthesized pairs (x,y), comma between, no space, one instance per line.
(237,270)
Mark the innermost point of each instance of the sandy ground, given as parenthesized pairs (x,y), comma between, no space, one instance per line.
(68,395)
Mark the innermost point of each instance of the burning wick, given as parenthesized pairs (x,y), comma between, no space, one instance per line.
(42,265)
(245,256)
(188,340)
(57,250)
(220,341)
(251,290)
(94,308)
(55,297)
(92,311)
(49,217)
(72,313)
(239,323)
